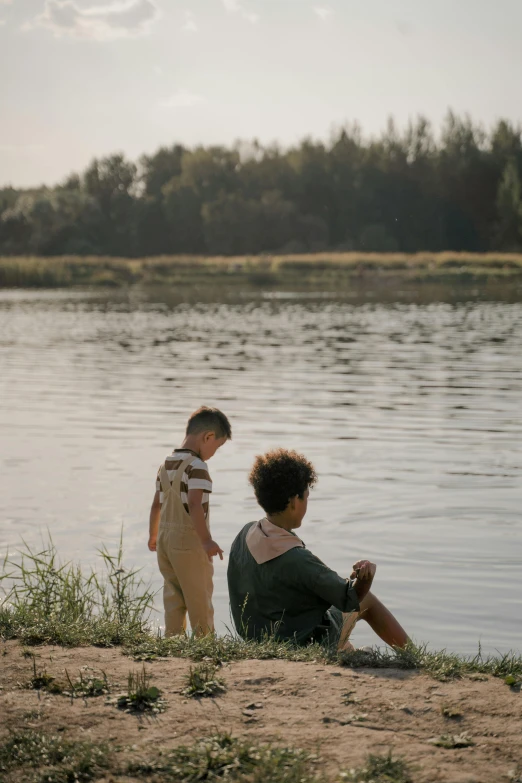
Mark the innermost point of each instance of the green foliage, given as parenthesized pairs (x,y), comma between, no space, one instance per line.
(48,602)
(380,769)
(41,681)
(405,191)
(87,686)
(441,665)
(50,758)
(141,696)
(223,757)
(326,270)
(203,680)
(509,207)
(221,649)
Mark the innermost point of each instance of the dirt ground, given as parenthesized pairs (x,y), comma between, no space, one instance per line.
(339,713)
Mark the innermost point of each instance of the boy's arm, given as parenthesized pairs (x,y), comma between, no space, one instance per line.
(195,504)
(154,520)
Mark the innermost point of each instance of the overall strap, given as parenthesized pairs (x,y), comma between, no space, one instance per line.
(164,479)
(176,481)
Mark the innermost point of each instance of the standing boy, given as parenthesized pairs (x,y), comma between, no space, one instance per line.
(179,529)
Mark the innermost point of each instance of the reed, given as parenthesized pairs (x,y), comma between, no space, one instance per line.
(49,602)
(329,270)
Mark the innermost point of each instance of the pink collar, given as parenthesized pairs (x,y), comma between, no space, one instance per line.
(266,541)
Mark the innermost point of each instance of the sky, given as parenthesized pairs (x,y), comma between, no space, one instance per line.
(86,78)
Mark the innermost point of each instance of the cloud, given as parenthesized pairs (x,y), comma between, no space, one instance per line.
(237,7)
(2,21)
(125,19)
(189,25)
(6,2)
(183,99)
(323,12)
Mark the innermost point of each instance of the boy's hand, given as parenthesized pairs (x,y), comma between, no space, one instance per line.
(363,573)
(363,569)
(152,544)
(212,549)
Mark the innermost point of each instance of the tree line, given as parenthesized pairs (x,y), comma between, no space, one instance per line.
(408,190)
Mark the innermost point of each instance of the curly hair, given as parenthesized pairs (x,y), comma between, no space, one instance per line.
(278,476)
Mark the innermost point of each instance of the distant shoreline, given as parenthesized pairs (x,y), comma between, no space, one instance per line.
(324,271)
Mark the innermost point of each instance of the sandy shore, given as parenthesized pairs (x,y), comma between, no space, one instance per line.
(339,713)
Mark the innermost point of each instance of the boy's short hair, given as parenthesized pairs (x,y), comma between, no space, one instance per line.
(278,476)
(209,420)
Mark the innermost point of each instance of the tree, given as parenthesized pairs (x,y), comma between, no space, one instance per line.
(403,190)
(509,206)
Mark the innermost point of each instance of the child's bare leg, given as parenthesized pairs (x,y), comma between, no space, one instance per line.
(382,621)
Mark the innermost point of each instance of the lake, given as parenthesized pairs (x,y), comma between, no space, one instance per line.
(409,408)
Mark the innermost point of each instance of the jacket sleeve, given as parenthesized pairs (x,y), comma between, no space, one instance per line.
(327,584)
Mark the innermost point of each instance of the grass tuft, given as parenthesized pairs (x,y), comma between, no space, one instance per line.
(202,681)
(451,741)
(380,769)
(223,757)
(440,665)
(453,713)
(87,686)
(40,757)
(41,681)
(141,696)
(222,649)
(49,602)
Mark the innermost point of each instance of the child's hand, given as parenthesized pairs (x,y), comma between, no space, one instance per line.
(363,569)
(212,549)
(152,544)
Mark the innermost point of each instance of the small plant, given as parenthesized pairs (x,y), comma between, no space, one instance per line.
(450,741)
(51,758)
(87,687)
(141,696)
(41,681)
(202,680)
(380,769)
(349,698)
(448,711)
(223,757)
(512,681)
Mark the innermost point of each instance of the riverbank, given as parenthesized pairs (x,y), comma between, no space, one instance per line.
(324,271)
(274,720)
(89,691)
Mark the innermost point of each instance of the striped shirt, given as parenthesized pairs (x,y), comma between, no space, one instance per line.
(195,476)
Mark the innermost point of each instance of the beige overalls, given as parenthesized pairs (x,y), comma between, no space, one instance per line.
(183,563)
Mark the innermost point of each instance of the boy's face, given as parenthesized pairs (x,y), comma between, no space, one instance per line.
(299,506)
(210,444)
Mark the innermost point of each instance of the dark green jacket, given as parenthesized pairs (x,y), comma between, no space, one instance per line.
(288,596)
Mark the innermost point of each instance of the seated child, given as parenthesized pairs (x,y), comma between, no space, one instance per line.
(277,586)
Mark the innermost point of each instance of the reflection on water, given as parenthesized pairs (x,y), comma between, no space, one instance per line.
(410,412)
